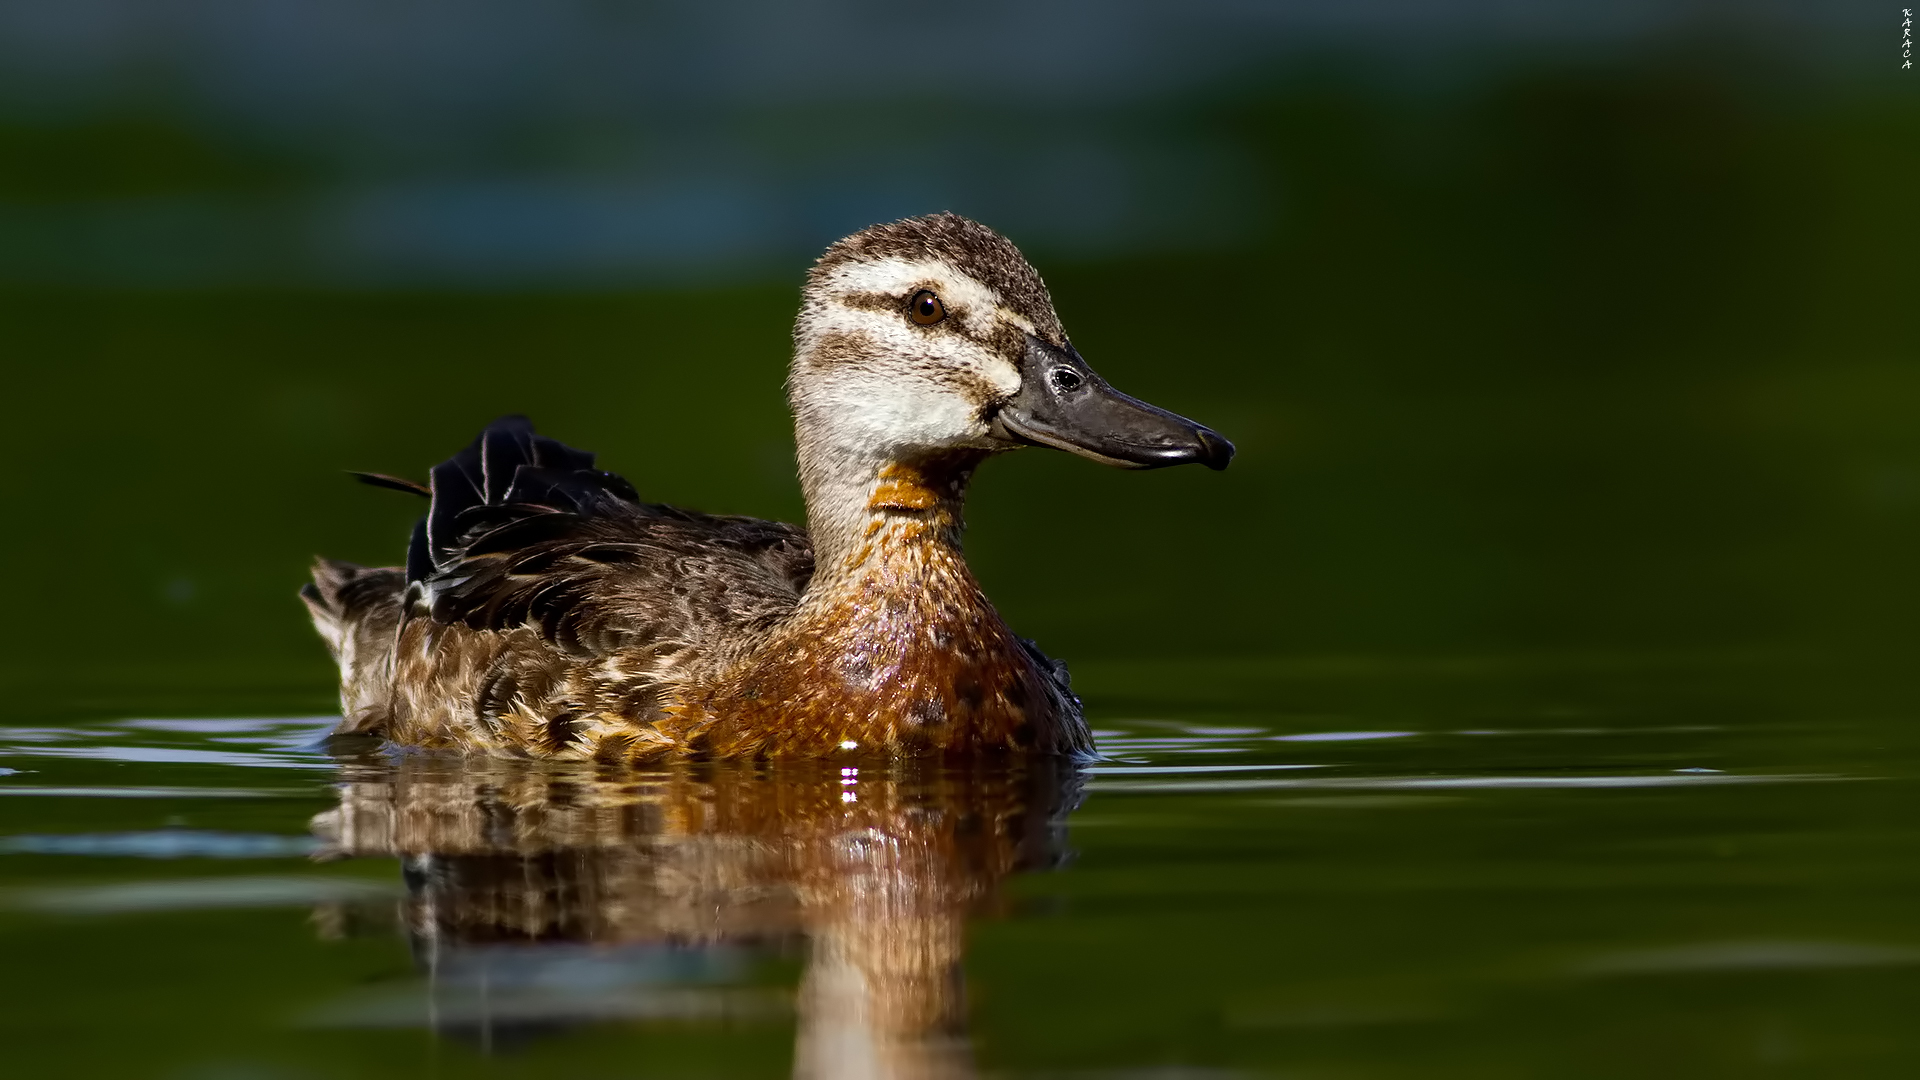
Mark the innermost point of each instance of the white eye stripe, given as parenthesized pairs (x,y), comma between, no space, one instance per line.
(1008,315)
(904,277)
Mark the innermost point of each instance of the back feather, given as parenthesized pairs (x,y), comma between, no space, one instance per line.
(506,474)
(524,531)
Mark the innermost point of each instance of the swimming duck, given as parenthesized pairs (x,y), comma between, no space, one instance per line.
(546,611)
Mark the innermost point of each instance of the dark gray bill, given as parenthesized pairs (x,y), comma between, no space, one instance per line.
(1064,404)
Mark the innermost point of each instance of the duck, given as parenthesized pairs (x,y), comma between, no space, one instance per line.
(546,611)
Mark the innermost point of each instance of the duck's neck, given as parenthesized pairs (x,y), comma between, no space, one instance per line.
(872,514)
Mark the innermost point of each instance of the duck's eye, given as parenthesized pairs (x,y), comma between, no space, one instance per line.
(1065,379)
(926,308)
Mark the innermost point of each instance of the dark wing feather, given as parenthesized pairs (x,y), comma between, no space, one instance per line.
(524,532)
(419,562)
(508,473)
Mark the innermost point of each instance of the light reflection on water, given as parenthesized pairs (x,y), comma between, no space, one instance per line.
(880,934)
(512,868)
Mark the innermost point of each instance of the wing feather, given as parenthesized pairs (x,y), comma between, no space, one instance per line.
(568,552)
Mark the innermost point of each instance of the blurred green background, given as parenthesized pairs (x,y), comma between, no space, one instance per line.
(1585,333)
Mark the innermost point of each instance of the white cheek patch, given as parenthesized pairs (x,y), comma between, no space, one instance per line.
(1002,376)
(884,413)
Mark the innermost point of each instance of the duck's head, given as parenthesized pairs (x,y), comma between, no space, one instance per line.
(934,334)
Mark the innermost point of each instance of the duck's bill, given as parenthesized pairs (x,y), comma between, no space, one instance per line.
(1065,404)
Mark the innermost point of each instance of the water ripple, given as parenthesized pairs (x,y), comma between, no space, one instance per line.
(107,792)
(1752,956)
(162,844)
(173,755)
(194,894)
(1489,782)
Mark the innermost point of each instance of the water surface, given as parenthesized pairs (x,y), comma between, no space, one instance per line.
(1684,866)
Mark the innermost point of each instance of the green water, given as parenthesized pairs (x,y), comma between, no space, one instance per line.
(1533,697)
(1690,866)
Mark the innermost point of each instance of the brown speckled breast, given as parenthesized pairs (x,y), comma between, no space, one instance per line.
(911,658)
(897,650)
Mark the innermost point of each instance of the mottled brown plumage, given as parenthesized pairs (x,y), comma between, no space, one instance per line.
(546,611)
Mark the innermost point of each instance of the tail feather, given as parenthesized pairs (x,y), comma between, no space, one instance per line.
(357,611)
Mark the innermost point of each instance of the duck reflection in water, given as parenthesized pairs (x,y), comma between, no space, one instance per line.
(512,866)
